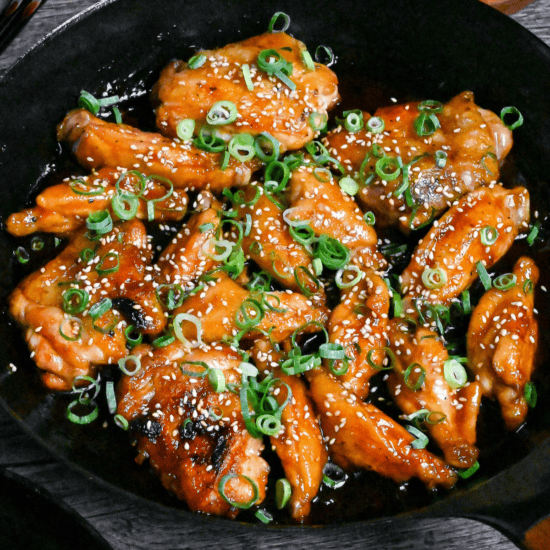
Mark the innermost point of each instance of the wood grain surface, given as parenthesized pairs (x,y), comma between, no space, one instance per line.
(130,525)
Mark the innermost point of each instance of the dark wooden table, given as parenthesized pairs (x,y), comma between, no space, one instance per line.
(129,525)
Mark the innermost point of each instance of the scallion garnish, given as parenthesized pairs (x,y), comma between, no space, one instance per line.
(100,222)
(75,301)
(110,263)
(506,111)
(242,505)
(151,202)
(283,492)
(440,159)
(133,338)
(483,275)
(426,124)
(454,373)
(71,329)
(121,422)
(241,147)
(384,364)
(375,125)
(209,140)
(430,106)
(197,61)
(530,394)
(222,112)
(89,102)
(528,286)
(434,278)
(86,418)
(122,364)
(325,51)
(533,233)
(81,187)
(338,278)
(332,253)
(125,205)
(333,476)
(185,129)
(414,376)
(388,169)
(465,474)
(177,325)
(506,281)
(489,235)
(349,185)
(421,438)
(370,218)
(275,19)
(307,60)
(264,516)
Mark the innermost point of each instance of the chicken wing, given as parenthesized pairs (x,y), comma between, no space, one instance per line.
(299,445)
(502,341)
(332,212)
(224,306)
(359,322)
(444,262)
(97,143)
(270,244)
(454,411)
(272,105)
(63,208)
(193,436)
(67,337)
(463,152)
(361,436)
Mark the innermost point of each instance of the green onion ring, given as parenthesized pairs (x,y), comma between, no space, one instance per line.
(179,319)
(241,505)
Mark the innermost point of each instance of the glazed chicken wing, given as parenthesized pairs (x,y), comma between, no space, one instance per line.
(332,212)
(361,436)
(502,341)
(299,445)
(270,244)
(454,411)
(359,322)
(195,438)
(97,143)
(223,307)
(462,153)
(280,108)
(63,208)
(444,262)
(66,337)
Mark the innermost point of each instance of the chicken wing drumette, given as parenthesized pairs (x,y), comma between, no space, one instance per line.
(63,208)
(280,106)
(194,437)
(97,143)
(61,305)
(437,152)
(502,341)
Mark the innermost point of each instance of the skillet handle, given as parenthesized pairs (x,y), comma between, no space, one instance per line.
(538,537)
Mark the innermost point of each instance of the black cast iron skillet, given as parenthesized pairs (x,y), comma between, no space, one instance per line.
(385,48)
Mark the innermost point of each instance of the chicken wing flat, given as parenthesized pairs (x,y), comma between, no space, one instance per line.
(299,445)
(270,244)
(330,211)
(279,106)
(194,437)
(417,383)
(361,436)
(226,309)
(359,323)
(414,171)
(63,208)
(444,262)
(502,341)
(55,305)
(97,144)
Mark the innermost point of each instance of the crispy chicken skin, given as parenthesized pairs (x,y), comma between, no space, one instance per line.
(61,209)
(361,436)
(186,93)
(332,212)
(97,143)
(456,434)
(299,445)
(218,307)
(273,248)
(37,301)
(454,244)
(359,322)
(474,140)
(173,417)
(502,341)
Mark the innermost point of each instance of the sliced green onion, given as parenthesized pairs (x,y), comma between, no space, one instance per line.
(138,189)
(307,60)
(506,281)
(179,319)
(270,61)
(440,159)
(151,202)
(349,185)
(454,373)
(108,258)
(111,397)
(304,235)
(75,301)
(132,340)
(275,19)
(263,515)
(89,102)
(235,504)
(332,253)
(197,61)
(163,341)
(267,148)
(185,129)
(533,233)
(194,373)
(216,378)
(387,169)
(209,140)
(81,187)
(528,286)
(283,492)
(285,80)
(421,438)
(483,275)
(465,474)
(85,419)
(466,304)
(125,206)
(129,359)
(298,364)
(489,235)
(370,218)
(222,112)
(353,121)
(118,115)
(72,321)
(430,106)
(327,52)
(100,222)
(515,113)
(482,161)
(435,417)
(94,385)
(241,147)
(530,394)
(375,125)
(434,278)
(338,278)
(414,376)
(268,424)
(121,422)
(317,121)
(333,476)
(426,124)
(382,366)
